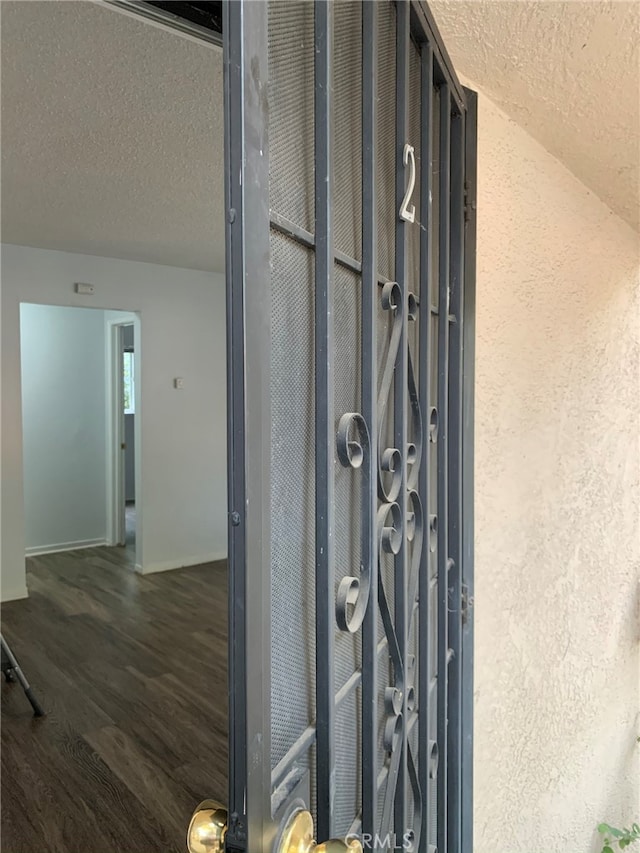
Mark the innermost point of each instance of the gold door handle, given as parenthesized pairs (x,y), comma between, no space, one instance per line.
(208,828)
(297,837)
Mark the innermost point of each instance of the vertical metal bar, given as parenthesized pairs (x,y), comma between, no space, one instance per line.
(249,420)
(235,415)
(325,438)
(369,411)
(424,391)
(443,64)
(400,391)
(454,443)
(468,414)
(443,382)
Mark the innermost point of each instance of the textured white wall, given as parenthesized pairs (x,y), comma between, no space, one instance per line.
(63,426)
(182,460)
(557,504)
(552,65)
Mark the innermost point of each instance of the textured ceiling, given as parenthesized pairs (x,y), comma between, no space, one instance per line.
(112,129)
(112,136)
(568,72)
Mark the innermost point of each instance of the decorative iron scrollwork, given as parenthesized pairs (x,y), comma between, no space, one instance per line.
(352,597)
(390,461)
(393,529)
(399,521)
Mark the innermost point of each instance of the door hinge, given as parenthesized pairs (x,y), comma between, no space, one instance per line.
(469,203)
(466,603)
(236,837)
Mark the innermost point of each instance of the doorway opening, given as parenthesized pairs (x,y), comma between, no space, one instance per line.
(129,410)
(79,397)
(123,435)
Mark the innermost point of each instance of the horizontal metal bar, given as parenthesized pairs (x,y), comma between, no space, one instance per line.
(348,687)
(294,752)
(306,238)
(308,736)
(356,826)
(413,719)
(349,263)
(382,775)
(290,229)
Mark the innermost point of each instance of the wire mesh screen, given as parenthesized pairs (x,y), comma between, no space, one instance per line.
(350,338)
(347,485)
(292,495)
(347,128)
(291,92)
(291,190)
(386,146)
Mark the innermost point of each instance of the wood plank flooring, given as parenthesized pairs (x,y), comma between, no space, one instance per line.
(132,672)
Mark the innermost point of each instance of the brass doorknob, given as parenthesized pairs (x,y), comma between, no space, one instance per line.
(297,837)
(207,828)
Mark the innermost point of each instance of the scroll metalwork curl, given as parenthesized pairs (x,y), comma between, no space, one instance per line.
(390,460)
(394,532)
(354,448)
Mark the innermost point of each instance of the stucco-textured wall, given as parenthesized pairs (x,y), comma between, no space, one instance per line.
(557,504)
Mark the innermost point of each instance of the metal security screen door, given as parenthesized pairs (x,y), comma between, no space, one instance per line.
(350,238)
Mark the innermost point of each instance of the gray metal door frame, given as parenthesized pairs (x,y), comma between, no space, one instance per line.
(443,766)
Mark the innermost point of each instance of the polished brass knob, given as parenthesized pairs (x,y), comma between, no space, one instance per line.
(297,837)
(207,828)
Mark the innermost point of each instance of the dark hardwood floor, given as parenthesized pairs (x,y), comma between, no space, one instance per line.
(132,672)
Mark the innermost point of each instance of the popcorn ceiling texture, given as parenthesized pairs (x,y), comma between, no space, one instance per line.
(110,128)
(568,72)
(557,504)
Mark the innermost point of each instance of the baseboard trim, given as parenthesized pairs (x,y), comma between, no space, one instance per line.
(181,563)
(14,594)
(37,550)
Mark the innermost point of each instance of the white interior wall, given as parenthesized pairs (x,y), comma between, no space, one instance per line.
(557,503)
(63,426)
(182,459)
